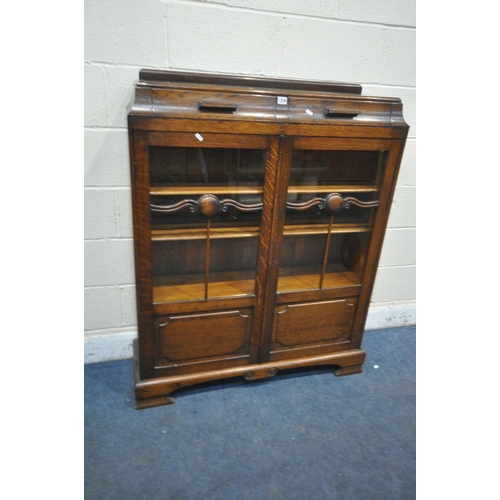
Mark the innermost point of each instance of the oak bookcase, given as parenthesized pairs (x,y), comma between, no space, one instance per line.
(259,210)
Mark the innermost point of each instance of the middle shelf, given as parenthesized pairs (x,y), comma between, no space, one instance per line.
(200,233)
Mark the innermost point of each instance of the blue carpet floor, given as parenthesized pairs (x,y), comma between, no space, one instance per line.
(302,435)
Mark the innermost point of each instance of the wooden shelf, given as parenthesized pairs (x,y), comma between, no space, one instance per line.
(242,283)
(304,229)
(251,231)
(181,293)
(227,284)
(201,233)
(307,278)
(193,190)
(200,190)
(337,188)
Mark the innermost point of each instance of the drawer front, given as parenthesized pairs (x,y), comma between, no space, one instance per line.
(313,326)
(339,111)
(203,338)
(207,106)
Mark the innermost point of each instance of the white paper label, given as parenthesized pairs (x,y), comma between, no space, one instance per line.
(199,137)
(309,112)
(282,100)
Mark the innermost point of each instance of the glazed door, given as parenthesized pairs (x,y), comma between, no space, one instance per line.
(331,199)
(205,202)
(206,212)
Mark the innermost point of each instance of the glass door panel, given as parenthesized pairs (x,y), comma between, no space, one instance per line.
(206,208)
(337,168)
(332,197)
(204,167)
(233,263)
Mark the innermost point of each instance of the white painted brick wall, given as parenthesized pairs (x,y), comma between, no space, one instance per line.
(103,308)
(399,247)
(108,213)
(319,8)
(359,41)
(331,50)
(125,32)
(109,262)
(403,210)
(394,284)
(120,91)
(408,172)
(246,42)
(397,65)
(389,12)
(95,102)
(106,157)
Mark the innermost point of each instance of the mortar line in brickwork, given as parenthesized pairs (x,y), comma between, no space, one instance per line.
(397,267)
(118,285)
(283,21)
(167,45)
(105,128)
(117,214)
(107,238)
(114,187)
(381,51)
(101,186)
(92,332)
(106,86)
(121,65)
(122,307)
(222,6)
(393,86)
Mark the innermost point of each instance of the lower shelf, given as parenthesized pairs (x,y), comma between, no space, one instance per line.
(229,284)
(242,283)
(308,278)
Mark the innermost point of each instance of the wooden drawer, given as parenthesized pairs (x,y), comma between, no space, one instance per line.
(203,339)
(340,110)
(313,327)
(223,105)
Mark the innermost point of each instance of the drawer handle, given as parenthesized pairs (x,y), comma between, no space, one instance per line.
(217,107)
(341,113)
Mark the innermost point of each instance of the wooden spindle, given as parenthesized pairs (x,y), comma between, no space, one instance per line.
(207,258)
(325,252)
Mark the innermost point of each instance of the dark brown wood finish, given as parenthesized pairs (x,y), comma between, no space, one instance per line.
(276,238)
(264,259)
(155,391)
(379,227)
(142,249)
(248,81)
(259,209)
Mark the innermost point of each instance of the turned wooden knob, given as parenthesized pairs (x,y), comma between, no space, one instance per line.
(209,205)
(334,203)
